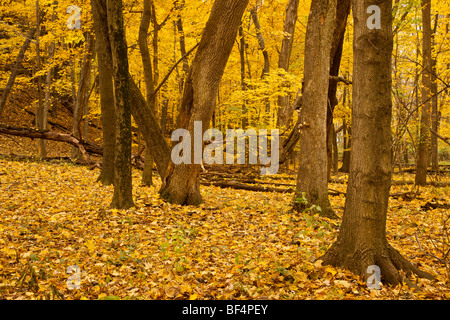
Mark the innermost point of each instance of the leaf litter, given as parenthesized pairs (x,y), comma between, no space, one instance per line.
(237,245)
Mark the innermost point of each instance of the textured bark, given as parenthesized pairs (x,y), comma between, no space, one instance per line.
(362,239)
(12,77)
(285,110)
(423,153)
(312,179)
(104,63)
(122,198)
(181,184)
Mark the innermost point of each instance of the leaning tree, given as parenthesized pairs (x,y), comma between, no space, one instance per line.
(181,183)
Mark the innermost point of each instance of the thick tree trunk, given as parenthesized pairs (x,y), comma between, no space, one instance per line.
(106,88)
(12,77)
(312,182)
(423,153)
(362,239)
(181,184)
(122,198)
(285,110)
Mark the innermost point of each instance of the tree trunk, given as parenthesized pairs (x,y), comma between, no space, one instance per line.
(106,88)
(262,47)
(312,182)
(362,239)
(122,198)
(285,111)
(145,119)
(42,144)
(147,174)
(422,161)
(434,103)
(181,184)
(82,95)
(343,10)
(347,145)
(242,45)
(12,77)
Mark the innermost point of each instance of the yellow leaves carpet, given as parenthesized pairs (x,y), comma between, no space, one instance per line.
(238,245)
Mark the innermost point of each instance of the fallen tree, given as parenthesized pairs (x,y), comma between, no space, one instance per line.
(84,147)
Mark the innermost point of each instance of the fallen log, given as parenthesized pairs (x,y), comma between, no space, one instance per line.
(31,133)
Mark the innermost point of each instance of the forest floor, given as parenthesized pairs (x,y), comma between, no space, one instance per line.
(237,245)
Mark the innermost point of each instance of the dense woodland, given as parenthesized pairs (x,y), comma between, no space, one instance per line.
(92,92)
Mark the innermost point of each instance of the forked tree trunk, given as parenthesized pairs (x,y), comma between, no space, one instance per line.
(181,184)
(122,198)
(362,239)
(105,71)
(312,180)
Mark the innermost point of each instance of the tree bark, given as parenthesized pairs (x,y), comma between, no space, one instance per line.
(106,88)
(362,238)
(181,184)
(312,180)
(123,198)
(423,153)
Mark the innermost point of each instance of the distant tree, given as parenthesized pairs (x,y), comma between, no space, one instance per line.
(423,153)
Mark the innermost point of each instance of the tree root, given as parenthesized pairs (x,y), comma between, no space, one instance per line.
(388,259)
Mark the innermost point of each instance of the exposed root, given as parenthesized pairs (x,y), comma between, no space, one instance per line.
(388,259)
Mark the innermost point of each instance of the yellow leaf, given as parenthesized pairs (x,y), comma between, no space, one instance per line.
(193,297)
